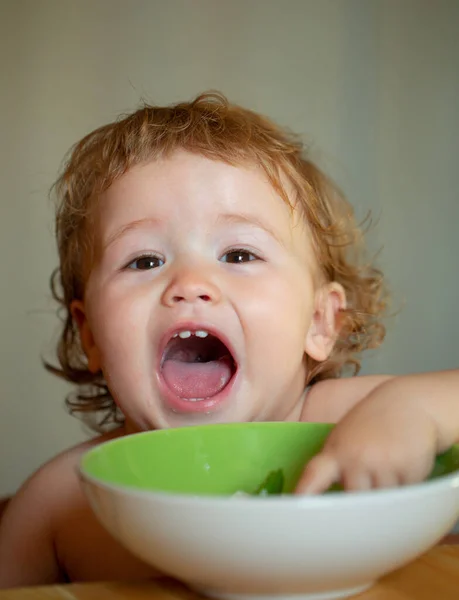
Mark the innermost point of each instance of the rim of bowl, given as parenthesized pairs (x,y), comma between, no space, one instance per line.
(432,487)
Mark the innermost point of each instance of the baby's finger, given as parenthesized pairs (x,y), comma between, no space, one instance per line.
(357,480)
(320,473)
(386,479)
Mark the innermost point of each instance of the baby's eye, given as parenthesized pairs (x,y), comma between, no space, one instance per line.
(145,263)
(238,256)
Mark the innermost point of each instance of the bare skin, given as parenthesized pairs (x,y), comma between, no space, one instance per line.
(49,533)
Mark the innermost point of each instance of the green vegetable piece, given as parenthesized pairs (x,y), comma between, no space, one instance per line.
(272,485)
(445,463)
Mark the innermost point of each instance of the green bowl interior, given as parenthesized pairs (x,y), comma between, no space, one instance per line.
(216,459)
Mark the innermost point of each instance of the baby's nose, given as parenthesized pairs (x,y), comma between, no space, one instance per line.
(190,287)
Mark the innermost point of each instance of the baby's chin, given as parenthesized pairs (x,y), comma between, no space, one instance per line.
(169,419)
(176,419)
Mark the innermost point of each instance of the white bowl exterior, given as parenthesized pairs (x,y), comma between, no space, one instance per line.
(254,547)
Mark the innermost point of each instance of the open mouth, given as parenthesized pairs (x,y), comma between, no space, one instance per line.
(196,365)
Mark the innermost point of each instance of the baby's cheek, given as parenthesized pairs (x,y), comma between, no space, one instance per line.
(117,314)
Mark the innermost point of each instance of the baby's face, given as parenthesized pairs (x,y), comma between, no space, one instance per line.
(201,303)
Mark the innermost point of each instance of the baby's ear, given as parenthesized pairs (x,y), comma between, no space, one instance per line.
(87,340)
(324,329)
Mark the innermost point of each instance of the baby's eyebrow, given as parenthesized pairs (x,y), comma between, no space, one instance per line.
(253,221)
(132,226)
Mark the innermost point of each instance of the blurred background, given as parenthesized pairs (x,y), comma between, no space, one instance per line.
(372,85)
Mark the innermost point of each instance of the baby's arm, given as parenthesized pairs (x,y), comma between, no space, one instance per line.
(389,431)
(27,555)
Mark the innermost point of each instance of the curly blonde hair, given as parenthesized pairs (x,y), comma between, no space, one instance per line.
(214,128)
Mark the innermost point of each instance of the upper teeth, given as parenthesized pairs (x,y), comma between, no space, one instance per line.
(186,334)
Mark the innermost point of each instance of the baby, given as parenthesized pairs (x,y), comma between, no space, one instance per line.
(209,273)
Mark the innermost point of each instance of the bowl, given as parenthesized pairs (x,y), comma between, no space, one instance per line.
(167,496)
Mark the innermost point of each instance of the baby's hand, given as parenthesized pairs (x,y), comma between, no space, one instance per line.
(382,442)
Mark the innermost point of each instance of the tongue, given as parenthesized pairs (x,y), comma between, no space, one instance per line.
(197,379)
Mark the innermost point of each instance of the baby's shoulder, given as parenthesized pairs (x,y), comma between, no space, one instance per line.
(64,467)
(50,487)
(328,401)
(58,477)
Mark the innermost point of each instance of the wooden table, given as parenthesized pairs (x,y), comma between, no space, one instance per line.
(434,576)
